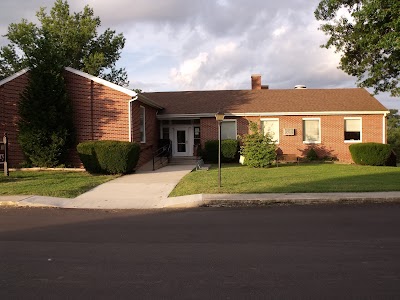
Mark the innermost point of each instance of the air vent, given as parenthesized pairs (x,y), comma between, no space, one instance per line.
(288,131)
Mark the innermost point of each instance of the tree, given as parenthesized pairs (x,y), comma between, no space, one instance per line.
(45,123)
(258,149)
(393,130)
(368,39)
(74,34)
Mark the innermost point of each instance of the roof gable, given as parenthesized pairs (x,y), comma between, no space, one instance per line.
(109,84)
(103,82)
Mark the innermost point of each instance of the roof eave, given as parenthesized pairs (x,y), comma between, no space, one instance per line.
(12,77)
(103,82)
(270,114)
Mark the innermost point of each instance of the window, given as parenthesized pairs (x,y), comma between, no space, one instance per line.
(311,130)
(228,130)
(352,129)
(271,126)
(142,124)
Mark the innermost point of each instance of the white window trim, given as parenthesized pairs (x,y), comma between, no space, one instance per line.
(353,141)
(319,128)
(279,126)
(230,120)
(142,108)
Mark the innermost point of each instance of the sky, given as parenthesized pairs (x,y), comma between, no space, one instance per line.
(176,45)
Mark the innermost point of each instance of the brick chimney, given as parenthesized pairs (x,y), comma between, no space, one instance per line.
(256,82)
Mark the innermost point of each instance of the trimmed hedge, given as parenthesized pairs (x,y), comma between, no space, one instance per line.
(109,157)
(229,151)
(373,154)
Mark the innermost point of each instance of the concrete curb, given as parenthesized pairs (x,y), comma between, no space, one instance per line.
(265,199)
(198,200)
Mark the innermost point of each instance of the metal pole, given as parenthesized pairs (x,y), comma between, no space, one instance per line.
(219,154)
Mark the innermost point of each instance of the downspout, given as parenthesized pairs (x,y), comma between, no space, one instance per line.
(91,109)
(384,141)
(130,117)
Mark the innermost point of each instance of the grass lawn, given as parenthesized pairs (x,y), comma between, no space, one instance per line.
(305,178)
(65,184)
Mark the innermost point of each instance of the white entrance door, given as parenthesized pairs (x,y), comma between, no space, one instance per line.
(181,142)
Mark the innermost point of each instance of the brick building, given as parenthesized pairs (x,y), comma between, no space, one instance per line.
(328,120)
(101,111)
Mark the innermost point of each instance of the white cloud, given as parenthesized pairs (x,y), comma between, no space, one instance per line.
(279,31)
(208,44)
(225,48)
(188,70)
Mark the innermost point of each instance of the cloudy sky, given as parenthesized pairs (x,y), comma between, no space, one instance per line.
(211,44)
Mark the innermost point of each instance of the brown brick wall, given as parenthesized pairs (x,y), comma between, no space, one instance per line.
(332,134)
(106,117)
(99,113)
(9,98)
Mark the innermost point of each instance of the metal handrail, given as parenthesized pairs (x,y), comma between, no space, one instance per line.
(162,153)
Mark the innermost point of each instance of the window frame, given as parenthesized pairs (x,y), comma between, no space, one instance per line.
(344,129)
(142,109)
(319,130)
(279,127)
(229,120)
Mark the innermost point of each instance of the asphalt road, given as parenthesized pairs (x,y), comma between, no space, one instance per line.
(296,252)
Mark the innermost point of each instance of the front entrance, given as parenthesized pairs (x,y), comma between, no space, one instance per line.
(181,145)
(184,135)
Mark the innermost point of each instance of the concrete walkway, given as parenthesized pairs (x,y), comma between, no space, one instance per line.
(150,190)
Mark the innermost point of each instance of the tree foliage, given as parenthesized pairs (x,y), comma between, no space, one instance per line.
(258,149)
(74,35)
(393,130)
(368,37)
(45,124)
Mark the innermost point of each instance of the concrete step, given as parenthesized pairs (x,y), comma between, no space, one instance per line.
(190,160)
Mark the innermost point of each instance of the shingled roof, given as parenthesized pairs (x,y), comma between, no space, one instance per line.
(266,101)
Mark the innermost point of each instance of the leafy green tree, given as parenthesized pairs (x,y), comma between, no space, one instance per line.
(74,34)
(393,130)
(368,40)
(45,124)
(258,149)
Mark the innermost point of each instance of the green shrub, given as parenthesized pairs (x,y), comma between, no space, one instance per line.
(229,151)
(258,149)
(110,157)
(211,151)
(312,155)
(373,154)
(88,157)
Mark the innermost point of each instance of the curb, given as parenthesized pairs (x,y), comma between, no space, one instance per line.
(206,200)
(221,200)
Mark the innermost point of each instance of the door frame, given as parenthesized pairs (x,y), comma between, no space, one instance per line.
(189,140)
